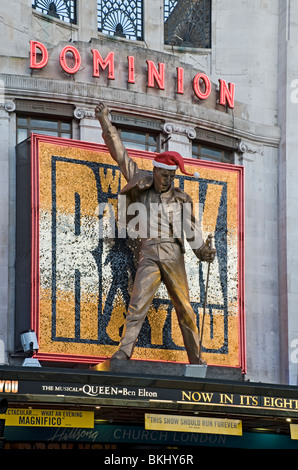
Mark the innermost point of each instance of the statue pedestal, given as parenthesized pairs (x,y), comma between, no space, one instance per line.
(152,368)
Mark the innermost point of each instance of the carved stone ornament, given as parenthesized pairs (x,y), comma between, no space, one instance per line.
(80,113)
(172,128)
(247,147)
(9,106)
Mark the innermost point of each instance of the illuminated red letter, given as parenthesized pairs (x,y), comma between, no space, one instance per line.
(33,55)
(180,76)
(77,58)
(196,86)
(107,62)
(131,69)
(154,75)
(226,93)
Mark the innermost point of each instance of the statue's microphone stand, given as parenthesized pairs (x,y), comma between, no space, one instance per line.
(212,247)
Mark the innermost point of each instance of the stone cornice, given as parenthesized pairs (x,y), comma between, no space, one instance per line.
(86,96)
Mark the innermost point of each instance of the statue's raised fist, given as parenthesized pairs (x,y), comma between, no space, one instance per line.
(101,110)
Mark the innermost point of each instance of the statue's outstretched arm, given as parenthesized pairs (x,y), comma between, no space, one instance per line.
(112,139)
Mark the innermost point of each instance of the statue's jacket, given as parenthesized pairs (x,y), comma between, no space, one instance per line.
(140,189)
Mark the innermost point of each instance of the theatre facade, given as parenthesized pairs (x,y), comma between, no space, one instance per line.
(176,75)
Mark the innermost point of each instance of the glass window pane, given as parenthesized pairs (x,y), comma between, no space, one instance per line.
(152,139)
(195,150)
(133,145)
(139,139)
(44,132)
(210,159)
(133,136)
(22,122)
(65,126)
(211,152)
(41,124)
(21,135)
(56,128)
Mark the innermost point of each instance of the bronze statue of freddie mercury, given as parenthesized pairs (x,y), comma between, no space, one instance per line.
(161,258)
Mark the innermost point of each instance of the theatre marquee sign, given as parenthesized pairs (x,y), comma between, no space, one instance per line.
(119,391)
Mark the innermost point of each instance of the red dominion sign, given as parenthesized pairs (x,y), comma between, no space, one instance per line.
(155,74)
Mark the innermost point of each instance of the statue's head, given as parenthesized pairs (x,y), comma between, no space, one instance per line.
(163,179)
(165,166)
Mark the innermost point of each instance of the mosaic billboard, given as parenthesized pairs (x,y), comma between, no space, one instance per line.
(83,272)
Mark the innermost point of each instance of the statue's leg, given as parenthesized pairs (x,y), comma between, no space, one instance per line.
(146,283)
(175,279)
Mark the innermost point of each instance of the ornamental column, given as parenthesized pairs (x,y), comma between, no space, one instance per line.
(6,233)
(88,125)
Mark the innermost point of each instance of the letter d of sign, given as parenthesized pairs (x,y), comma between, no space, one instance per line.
(34,45)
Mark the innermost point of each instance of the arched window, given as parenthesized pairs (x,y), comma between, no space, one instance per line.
(64,10)
(187,23)
(122,18)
